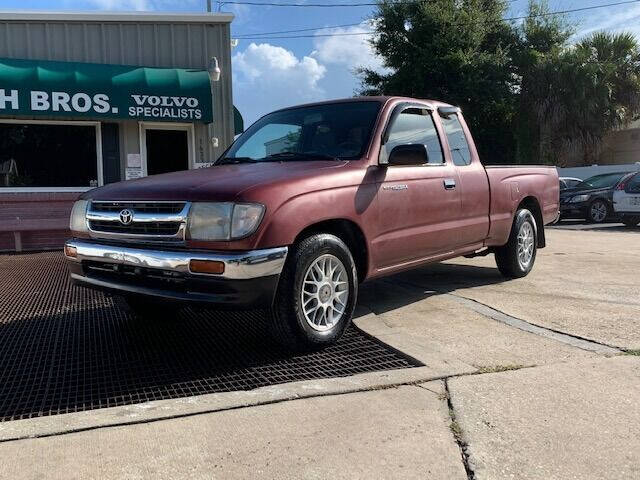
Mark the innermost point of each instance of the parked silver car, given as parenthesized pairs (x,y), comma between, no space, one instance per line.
(626,200)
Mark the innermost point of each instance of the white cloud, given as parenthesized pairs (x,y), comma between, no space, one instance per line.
(267,77)
(122,4)
(352,51)
(143,5)
(625,20)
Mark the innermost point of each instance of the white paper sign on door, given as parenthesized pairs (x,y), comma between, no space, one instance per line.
(133,173)
(134,160)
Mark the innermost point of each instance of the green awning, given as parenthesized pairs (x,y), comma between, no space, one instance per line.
(238,122)
(98,91)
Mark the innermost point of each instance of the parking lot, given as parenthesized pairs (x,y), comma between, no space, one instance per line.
(452,372)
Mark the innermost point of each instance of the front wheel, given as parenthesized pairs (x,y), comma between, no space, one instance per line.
(598,211)
(316,294)
(631,222)
(516,258)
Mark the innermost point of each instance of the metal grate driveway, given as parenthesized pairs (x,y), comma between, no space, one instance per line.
(67,349)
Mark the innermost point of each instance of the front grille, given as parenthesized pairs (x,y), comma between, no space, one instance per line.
(156,221)
(146,207)
(150,228)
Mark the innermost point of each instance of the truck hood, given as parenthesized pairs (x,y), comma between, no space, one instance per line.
(216,183)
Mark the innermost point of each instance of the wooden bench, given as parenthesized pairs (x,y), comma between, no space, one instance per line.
(45,212)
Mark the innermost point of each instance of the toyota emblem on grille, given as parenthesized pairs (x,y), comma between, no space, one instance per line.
(126,216)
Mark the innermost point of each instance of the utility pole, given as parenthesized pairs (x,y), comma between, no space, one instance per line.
(209,6)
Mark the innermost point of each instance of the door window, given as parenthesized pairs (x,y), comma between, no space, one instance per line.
(416,126)
(460,152)
(634,184)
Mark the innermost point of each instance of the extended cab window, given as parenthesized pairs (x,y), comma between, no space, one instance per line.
(415,126)
(460,152)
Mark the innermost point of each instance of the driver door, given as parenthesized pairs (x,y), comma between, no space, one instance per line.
(419,205)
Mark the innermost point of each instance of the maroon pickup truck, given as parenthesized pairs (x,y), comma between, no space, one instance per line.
(306,204)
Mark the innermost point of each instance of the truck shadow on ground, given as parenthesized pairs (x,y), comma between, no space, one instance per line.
(400,290)
(66,349)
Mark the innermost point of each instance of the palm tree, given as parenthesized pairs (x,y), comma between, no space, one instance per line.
(585,92)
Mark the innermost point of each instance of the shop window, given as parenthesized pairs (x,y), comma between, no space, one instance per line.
(35,155)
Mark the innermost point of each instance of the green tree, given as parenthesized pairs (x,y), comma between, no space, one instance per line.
(589,90)
(529,95)
(542,39)
(460,52)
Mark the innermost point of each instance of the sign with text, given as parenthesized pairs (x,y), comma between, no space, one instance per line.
(35,88)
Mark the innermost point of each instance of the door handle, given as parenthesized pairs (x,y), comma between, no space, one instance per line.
(449,184)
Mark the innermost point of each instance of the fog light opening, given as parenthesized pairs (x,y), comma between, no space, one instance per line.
(71,252)
(211,267)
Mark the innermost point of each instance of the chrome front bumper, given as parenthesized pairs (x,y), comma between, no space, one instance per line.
(250,278)
(238,266)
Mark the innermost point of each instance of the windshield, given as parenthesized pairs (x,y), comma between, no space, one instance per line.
(329,131)
(601,181)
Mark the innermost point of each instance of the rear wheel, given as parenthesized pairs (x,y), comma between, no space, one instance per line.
(516,258)
(598,211)
(316,294)
(631,221)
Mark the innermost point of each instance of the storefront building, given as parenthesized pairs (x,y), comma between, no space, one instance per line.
(91,99)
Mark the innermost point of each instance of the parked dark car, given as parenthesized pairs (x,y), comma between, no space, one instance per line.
(592,199)
(568,182)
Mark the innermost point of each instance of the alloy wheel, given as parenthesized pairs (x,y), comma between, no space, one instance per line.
(526,240)
(325,292)
(598,211)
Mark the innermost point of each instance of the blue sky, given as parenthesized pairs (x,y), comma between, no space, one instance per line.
(272,73)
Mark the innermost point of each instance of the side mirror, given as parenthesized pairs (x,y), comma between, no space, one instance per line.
(413,154)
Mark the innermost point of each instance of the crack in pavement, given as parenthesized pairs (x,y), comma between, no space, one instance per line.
(458,434)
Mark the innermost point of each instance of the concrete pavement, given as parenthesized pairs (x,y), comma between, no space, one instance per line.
(568,421)
(584,283)
(394,433)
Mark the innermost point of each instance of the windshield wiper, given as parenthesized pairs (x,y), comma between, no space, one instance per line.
(296,155)
(236,160)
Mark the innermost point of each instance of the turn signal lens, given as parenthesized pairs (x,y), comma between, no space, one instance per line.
(70,251)
(206,266)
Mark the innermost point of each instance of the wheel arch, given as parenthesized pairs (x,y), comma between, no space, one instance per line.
(350,233)
(531,203)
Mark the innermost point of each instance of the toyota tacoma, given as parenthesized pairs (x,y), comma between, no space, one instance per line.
(306,204)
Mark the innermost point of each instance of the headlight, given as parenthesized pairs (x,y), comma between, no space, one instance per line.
(223,221)
(579,198)
(78,219)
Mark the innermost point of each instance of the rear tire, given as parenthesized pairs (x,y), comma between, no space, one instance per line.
(517,257)
(316,294)
(631,222)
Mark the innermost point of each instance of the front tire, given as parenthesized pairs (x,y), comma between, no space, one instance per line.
(598,211)
(316,294)
(516,258)
(631,222)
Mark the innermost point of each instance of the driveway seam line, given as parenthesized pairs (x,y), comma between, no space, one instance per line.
(534,326)
(576,341)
